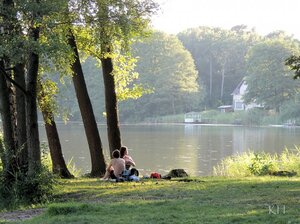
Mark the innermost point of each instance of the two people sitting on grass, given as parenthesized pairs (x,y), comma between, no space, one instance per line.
(119,166)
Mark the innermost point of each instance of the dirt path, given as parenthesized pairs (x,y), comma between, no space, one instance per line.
(21,214)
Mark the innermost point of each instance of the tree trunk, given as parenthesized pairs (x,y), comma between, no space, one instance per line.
(18,100)
(34,152)
(13,95)
(222,84)
(59,166)
(111,105)
(21,118)
(87,113)
(8,132)
(173,104)
(210,78)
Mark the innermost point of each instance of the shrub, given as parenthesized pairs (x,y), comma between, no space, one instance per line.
(271,119)
(259,164)
(21,189)
(254,117)
(262,164)
(217,117)
(235,166)
(290,159)
(25,190)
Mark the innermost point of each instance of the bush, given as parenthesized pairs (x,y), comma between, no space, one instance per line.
(254,117)
(25,190)
(234,166)
(271,119)
(262,164)
(290,159)
(258,164)
(290,110)
(18,188)
(217,117)
(21,189)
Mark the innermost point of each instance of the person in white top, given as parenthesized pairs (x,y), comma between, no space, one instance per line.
(115,167)
(128,160)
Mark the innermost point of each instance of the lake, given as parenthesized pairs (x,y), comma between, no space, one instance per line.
(162,147)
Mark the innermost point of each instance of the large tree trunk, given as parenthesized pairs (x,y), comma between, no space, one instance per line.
(59,166)
(21,118)
(222,84)
(111,105)
(18,98)
(34,152)
(6,100)
(8,132)
(223,80)
(210,79)
(87,113)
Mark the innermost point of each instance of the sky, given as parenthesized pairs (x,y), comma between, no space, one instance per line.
(263,15)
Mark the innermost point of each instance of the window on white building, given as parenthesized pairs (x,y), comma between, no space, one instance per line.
(239,105)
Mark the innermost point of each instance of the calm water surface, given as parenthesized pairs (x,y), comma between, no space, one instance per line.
(195,148)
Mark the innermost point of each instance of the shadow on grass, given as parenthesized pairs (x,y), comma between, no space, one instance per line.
(216,200)
(235,189)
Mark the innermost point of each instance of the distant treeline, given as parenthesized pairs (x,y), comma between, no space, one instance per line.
(197,70)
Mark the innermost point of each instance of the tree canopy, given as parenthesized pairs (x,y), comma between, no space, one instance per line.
(167,67)
(219,56)
(269,80)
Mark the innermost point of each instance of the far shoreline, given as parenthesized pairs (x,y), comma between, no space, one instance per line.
(176,123)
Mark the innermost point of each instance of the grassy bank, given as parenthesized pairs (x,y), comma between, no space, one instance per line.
(260,163)
(255,117)
(199,200)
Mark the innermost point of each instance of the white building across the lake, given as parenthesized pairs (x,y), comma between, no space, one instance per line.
(238,101)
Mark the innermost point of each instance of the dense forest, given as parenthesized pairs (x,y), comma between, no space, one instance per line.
(198,70)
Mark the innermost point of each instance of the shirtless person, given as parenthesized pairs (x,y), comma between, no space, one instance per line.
(115,167)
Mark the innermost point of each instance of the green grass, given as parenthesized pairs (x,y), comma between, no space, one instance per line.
(254,117)
(202,200)
(261,163)
(177,118)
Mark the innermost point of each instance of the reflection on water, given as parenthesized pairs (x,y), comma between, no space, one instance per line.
(195,148)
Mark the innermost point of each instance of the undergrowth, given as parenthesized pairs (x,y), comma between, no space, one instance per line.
(259,164)
(17,188)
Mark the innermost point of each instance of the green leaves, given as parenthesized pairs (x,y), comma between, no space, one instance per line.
(269,81)
(166,67)
(111,21)
(47,90)
(294,64)
(218,52)
(124,76)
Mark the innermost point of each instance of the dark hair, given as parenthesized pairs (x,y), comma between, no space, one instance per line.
(122,151)
(116,154)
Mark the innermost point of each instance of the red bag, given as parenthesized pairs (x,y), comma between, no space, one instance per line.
(155,175)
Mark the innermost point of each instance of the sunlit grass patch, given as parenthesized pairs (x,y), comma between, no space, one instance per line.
(290,159)
(89,189)
(206,200)
(251,163)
